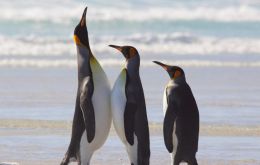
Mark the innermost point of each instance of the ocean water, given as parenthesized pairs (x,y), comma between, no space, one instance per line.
(216,42)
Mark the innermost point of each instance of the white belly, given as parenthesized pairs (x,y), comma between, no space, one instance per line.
(174,140)
(165,104)
(103,118)
(118,102)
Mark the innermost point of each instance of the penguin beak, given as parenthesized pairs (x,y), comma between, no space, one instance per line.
(165,67)
(83,18)
(80,32)
(116,47)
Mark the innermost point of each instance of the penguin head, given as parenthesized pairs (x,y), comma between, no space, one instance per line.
(129,52)
(131,55)
(174,72)
(81,32)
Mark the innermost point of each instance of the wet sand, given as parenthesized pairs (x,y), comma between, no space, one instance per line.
(38,142)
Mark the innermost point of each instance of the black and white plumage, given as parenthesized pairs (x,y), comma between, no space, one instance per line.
(129,109)
(181,120)
(92,117)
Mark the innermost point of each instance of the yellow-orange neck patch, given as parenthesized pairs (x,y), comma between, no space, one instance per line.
(76,40)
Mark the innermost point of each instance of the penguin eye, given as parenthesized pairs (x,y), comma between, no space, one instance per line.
(176,74)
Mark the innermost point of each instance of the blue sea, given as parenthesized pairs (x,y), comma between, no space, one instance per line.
(217,43)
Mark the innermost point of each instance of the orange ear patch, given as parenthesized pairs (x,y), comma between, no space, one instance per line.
(132,52)
(76,40)
(177,74)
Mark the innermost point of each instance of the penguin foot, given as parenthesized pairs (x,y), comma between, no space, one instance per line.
(73,159)
(67,159)
(64,161)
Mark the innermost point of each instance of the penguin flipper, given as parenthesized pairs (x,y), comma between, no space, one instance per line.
(129,115)
(168,125)
(87,108)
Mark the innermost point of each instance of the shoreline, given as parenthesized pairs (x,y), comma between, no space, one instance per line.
(37,127)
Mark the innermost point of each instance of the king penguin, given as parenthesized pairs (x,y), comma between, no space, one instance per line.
(129,108)
(181,118)
(92,117)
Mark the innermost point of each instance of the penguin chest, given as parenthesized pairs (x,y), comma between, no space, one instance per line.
(165,103)
(102,112)
(118,103)
(165,106)
(174,135)
(101,101)
(165,95)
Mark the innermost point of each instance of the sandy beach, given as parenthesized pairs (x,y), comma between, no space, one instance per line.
(35,129)
(44,142)
(35,123)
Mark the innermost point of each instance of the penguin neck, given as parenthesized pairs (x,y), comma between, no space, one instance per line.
(133,74)
(132,68)
(84,56)
(179,80)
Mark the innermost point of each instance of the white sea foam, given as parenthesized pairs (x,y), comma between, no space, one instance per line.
(9,163)
(39,63)
(43,63)
(66,13)
(31,46)
(177,44)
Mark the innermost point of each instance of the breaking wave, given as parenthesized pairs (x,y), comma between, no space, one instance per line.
(66,14)
(176,43)
(44,63)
